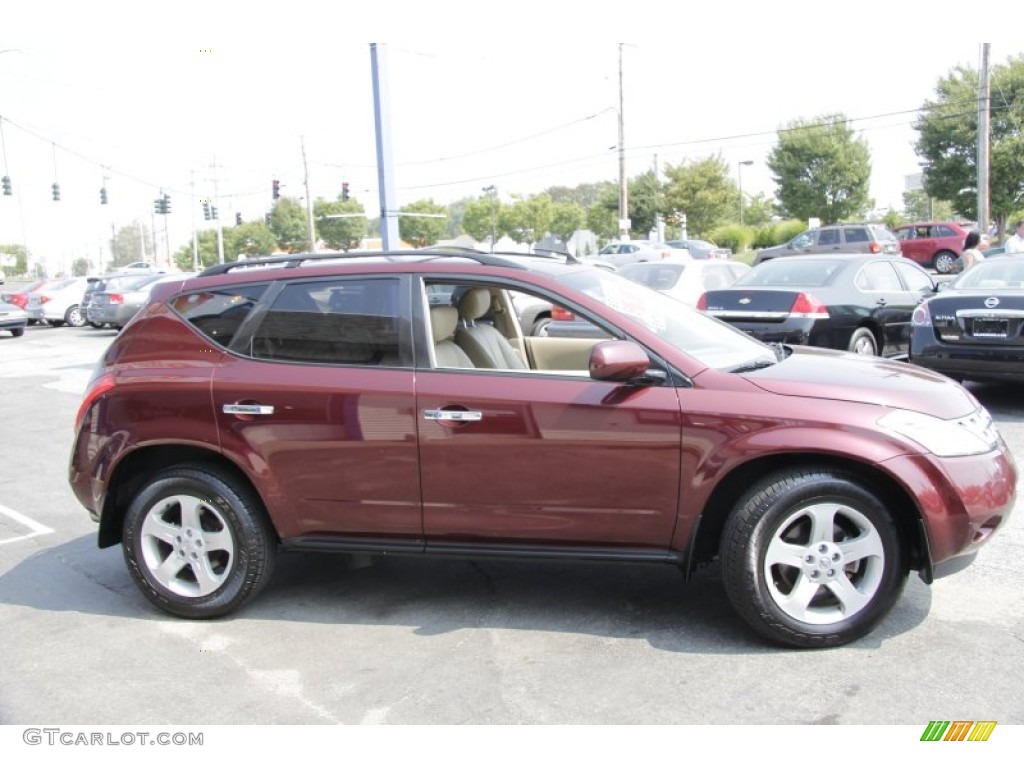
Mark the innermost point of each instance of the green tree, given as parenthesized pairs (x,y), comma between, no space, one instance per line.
(603,214)
(919,206)
(645,202)
(821,170)
(80,267)
(130,243)
(566,218)
(585,195)
(207,240)
(20,255)
(527,220)
(420,231)
(758,209)
(340,233)
(252,238)
(480,218)
(456,210)
(948,137)
(289,223)
(703,191)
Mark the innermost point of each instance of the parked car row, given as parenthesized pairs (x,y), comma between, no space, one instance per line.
(106,300)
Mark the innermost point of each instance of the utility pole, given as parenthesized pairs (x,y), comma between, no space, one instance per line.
(385,167)
(215,205)
(195,234)
(984,95)
(309,200)
(623,194)
(659,223)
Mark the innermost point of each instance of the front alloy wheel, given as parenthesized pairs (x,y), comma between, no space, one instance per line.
(812,558)
(197,542)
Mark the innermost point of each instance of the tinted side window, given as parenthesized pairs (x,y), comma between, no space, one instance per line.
(341,322)
(915,279)
(878,276)
(217,314)
(828,237)
(942,231)
(856,235)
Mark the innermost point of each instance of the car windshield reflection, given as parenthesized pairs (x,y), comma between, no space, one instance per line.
(712,342)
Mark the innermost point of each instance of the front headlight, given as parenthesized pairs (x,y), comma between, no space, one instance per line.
(965,436)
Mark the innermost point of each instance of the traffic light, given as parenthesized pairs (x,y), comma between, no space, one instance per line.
(6,183)
(55,187)
(167,204)
(103,195)
(238,218)
(206,210)
(158,205)
(344,191)
(213,212)
(276,188)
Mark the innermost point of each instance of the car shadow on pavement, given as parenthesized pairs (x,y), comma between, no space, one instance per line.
(435,596)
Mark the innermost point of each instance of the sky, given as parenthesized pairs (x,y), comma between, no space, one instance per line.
(203,99)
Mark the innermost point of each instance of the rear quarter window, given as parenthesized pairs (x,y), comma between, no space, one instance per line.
(218,313)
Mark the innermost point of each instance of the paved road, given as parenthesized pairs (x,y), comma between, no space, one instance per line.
(431,641)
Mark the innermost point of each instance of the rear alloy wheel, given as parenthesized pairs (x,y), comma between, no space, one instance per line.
(812,559)
(943,262)
(73,317)
(197,544)
(862,342)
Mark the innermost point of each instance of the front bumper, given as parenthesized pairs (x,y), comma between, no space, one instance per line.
(962,502)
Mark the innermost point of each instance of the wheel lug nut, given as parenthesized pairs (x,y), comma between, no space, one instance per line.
(815,574)
(823,549)
(831,572)
(835,557)
(809,558)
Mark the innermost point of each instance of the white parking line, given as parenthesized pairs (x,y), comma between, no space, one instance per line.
(38,529)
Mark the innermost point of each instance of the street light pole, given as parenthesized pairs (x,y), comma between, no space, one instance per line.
(739,171)
(492,192)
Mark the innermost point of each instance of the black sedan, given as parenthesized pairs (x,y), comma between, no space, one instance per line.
(858,303)
(974,328)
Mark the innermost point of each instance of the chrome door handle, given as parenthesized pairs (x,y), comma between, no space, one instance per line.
(248,409)
(438,415)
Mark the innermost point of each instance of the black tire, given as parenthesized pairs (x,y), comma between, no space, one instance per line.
(539,327)
(770,549)
(943,262)
(203,558)
(16,332)
(863,342)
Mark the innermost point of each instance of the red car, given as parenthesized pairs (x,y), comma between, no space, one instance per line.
(392,404)
(932,244)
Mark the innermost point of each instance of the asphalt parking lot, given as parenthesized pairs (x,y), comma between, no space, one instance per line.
(418,641)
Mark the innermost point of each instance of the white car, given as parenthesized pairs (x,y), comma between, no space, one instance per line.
(144,268)
(632,251)
(58,302)
(686,279)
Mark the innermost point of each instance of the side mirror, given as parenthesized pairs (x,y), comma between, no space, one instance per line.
(618,361)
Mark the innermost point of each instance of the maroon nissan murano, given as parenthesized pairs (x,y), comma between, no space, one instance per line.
(394,404)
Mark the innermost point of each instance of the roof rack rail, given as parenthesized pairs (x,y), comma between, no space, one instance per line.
(293,260)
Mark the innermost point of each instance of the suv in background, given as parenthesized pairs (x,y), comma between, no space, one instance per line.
(932,244)
(836,238)
(391,403)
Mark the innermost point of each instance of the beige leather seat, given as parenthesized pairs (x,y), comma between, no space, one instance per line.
(484,343)
(447,354)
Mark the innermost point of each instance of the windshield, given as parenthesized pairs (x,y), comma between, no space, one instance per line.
(711,341)
(803,272)
(987,275)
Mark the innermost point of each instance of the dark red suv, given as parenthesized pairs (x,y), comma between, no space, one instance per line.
(392,404)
